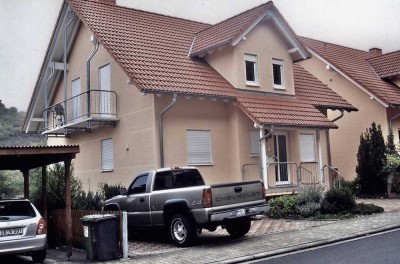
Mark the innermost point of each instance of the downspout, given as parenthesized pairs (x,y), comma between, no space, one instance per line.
(263,154)
(96,48)
(65,67)
(161,128)
(328,140)
(46,97)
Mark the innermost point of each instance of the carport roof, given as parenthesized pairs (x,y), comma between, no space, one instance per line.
(29,157)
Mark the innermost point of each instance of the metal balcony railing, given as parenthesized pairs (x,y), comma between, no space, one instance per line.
(251,172)
(281,174)
(308,173)
(93,105)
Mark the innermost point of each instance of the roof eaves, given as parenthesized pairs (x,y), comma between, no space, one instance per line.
(349,78)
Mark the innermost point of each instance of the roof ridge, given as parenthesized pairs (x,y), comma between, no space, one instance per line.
(143,11)
(330,43)
(232,17)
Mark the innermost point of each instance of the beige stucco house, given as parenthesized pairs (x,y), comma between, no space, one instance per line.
(366,79)
(164,91)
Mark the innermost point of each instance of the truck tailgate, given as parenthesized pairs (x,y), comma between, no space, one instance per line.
(234,193)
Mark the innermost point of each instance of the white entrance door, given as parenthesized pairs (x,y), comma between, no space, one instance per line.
(282,174)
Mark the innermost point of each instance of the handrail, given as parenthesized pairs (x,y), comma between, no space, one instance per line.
(313,176)
(339,175)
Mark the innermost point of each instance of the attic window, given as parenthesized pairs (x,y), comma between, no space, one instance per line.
(277,70)
(251,69)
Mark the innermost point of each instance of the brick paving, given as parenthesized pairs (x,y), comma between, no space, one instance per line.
(266,237)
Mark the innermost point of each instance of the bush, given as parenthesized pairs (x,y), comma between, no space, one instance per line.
(109,191)
(283,206)
(367,209)
(338,200)
(309,201)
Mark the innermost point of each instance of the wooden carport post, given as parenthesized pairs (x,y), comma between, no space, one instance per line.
(26,183)
(44,192)
(68,216)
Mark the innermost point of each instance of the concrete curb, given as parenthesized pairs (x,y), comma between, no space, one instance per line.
(306,245)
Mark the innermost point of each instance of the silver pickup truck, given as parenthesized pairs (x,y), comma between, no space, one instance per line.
(178,199)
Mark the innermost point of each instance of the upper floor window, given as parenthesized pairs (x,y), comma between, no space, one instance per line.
(107,155)
(199,147)
(251,69)
(277,70)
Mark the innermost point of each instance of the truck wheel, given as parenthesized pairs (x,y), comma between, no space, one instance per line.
(182,230)
(238,228)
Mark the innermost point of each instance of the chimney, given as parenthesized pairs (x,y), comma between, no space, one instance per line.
(373,52)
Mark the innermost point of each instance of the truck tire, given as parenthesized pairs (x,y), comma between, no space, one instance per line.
(182,230)
(238,228)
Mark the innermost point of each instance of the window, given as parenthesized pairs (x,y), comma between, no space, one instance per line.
(76,99)
(307,148)
(105,87)
(254,143)
(277,69)
(139,185)
(177,179)
(199,147)
(107,155)
(251,69)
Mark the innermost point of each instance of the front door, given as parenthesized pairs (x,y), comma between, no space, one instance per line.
(281,154)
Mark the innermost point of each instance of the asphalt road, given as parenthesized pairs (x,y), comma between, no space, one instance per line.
(379,248)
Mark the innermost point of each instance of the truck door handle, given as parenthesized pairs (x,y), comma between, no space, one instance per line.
(141,200)
(238,189)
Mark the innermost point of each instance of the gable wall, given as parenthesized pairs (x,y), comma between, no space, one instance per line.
(134,132)
(345,140)
(266,42)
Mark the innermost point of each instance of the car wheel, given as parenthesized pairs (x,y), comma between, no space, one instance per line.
(182,230)
(39,256)
(238,228)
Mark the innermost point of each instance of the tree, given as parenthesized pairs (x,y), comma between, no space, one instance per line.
(371,160)
(390,146)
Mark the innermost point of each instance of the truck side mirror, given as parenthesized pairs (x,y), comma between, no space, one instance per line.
(123,191)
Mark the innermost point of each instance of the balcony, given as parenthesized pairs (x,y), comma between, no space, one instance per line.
(81,113)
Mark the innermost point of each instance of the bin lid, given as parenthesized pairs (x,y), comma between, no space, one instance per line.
(97,217)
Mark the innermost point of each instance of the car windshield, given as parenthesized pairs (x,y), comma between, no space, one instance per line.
(16,210)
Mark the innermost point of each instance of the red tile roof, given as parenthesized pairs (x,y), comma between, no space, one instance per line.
(152,49)
(313,91)
(282,111)
(353,63)
(226,31)
(387,65)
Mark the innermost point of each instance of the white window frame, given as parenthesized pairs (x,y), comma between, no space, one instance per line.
(104,76)
(251,58)
(199,147)
(107,155)
(281,67)
(254,140)
(306,153)
(76,101)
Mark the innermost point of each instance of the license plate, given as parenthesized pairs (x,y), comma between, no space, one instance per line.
(11,232)
(240,212)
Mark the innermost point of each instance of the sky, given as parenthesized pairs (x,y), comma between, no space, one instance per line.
(26,27)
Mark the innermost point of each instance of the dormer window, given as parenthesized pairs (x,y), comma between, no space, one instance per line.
(251,69)
(277,70)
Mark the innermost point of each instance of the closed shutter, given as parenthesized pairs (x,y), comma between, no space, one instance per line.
(199,147)
(307,148)
(107,155)
(76,100)
(254,143)
(105,87)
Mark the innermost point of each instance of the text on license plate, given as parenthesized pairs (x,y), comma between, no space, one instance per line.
(240,212)
(11,232)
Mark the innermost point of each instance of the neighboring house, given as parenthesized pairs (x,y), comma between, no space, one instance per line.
(368,80)
(165,91)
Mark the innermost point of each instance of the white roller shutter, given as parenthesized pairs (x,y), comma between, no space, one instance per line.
(76,100)
(107,155)
(307,147)
(254,143)
(105,85)
(199,147)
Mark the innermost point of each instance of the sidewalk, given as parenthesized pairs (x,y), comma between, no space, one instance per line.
(267,237)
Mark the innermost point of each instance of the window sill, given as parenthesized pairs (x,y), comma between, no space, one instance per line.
(254,155)
(253,84)
(277,87)
(105,171)
(200,164)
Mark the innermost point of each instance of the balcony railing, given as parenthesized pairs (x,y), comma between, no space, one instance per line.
(308,173)
(94,105)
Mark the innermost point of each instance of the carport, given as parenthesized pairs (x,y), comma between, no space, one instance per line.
(25,158)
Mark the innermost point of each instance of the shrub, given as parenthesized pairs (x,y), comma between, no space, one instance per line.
(367,209)
(108,191)
(338,200)
(283,206)
(309,201)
